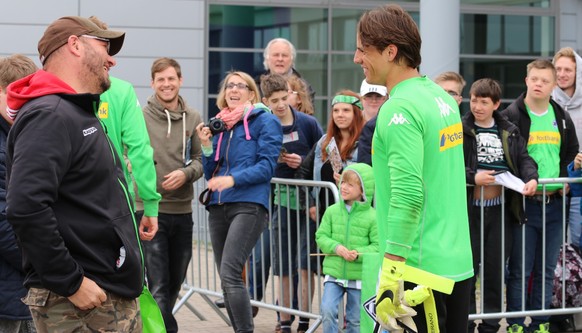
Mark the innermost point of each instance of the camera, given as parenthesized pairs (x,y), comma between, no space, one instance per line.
(216,125)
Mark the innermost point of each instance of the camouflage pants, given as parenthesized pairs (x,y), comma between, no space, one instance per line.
(53,313)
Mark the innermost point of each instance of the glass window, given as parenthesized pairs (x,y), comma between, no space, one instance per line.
(507,34)
(516,3)
(510,74)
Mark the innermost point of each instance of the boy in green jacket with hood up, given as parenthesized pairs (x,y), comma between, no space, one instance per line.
(348,228)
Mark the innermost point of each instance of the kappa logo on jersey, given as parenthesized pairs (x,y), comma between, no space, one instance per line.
(445,108)
(89,131)
(103,111)
(451,136)
(398,119)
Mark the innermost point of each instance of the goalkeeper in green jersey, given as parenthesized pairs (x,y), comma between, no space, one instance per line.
(417,155)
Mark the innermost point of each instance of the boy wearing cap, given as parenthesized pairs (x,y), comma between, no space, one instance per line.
(373,96)
(67,200)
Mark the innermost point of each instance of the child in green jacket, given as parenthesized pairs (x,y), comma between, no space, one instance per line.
(348,228)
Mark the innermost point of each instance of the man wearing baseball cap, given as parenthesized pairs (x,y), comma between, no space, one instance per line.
(66,195)
(373,96)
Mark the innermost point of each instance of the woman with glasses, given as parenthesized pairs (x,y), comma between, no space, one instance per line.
(238,165)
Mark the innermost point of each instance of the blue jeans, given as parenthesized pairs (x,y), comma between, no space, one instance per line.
(234,231)
(167,257)
(332,294)
(533,258)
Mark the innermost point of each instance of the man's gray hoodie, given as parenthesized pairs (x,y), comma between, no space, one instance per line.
(176,147)
(573,105)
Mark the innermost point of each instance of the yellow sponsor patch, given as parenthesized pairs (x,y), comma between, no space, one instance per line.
(451,136)
(103,111)
(548,138)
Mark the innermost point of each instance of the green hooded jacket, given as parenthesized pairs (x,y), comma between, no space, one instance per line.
(356,230)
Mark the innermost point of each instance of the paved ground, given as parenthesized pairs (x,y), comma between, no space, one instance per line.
(188,322)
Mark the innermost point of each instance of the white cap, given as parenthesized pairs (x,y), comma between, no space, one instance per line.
(367,88)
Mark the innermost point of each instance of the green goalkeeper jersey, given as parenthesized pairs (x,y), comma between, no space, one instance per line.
(421,204)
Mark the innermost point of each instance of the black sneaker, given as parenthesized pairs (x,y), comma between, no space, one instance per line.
(219,303)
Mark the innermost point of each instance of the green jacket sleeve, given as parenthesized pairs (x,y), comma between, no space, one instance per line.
(135,138)
(405,162)
(323,235)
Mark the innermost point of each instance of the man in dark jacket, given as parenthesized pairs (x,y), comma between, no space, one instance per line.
(279,58)
(66,195)
(491,145)
(552,143)
(14,315)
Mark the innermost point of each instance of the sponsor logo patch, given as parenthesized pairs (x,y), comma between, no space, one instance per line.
(549,138)
(451,136)
(103,111)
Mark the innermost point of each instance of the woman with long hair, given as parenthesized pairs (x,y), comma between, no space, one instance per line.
(299,95)
(239,158)
(344,127)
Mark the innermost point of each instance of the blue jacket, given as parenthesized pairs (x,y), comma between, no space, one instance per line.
(250,161)
(11,275)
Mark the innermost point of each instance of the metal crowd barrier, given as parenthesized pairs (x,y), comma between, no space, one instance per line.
(525,312)
(203,279)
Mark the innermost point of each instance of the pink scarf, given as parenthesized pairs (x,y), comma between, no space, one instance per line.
(230,118)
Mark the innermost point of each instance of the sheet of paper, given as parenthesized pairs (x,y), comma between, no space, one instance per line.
(334,156)
(508,180)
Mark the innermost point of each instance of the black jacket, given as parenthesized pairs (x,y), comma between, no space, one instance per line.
(67,199)
(365,142)
(515,153)
(11,275)
(517,114)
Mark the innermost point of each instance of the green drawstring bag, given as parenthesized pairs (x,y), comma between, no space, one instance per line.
(151,316)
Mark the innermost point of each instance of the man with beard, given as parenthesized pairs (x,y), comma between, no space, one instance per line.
(66,197)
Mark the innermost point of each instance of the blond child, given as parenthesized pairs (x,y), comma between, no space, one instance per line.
(348,229)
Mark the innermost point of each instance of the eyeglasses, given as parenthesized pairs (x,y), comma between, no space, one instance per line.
(239,86)
(99,39)
(453,93)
